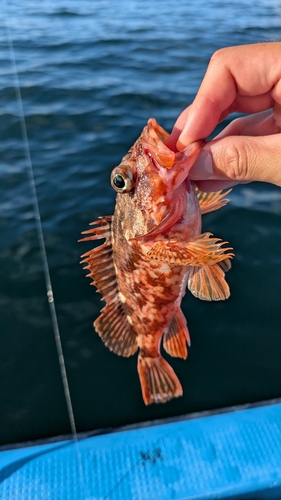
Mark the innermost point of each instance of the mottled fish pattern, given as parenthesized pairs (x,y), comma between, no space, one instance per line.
(153,250)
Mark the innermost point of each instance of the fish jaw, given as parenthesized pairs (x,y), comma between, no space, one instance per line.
(168,209)
(153,139)
(170,201)
(174,177)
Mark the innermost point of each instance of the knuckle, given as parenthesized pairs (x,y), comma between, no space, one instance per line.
(238,161)
(218,56)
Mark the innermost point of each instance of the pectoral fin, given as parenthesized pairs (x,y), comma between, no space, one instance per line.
(202,250)
(211,201)
(208,283)
(225,265)
(176,336)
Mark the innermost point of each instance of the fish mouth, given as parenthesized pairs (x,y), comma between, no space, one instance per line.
(173,168)
(154,139)
(184,161)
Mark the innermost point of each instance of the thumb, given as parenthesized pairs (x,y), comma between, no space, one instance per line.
(239,159)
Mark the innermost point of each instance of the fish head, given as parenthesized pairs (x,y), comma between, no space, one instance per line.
(151,182)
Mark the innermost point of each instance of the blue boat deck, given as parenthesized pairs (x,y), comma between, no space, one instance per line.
(236,454)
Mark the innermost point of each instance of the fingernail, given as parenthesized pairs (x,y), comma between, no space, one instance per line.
(180,146)
(202,168)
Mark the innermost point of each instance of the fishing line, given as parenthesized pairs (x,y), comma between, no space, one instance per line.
(47,277)
(42,245)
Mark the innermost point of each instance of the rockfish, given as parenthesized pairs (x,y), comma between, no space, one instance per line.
(153,250)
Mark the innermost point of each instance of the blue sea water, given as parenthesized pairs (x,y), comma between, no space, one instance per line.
(91,73)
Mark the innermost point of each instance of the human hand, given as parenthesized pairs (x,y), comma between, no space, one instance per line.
(244,79)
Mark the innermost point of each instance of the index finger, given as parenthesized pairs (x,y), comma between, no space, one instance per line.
(244,78)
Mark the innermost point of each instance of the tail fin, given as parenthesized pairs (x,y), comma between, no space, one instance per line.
(159,382)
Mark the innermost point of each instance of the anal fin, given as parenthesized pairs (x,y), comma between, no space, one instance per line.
(159,382)
(176,336)
(209,202)
(208,283)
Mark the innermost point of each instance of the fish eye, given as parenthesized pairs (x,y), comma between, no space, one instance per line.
(121,180)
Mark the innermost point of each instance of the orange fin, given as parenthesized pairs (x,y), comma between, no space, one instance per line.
(112,325)
(103,230)
(225,265)
(159,382)
(208,283)
(211,201)
(176,336)
(99,261)
(202,250)
(115,330)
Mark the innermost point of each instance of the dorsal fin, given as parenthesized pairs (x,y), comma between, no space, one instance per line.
(112,325)
(209,202)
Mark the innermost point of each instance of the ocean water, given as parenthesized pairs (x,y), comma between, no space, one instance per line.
(90,75)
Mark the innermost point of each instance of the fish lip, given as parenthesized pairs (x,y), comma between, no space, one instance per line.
(184,161)
(189,152)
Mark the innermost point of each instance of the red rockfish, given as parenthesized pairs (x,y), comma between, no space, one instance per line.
(153,250)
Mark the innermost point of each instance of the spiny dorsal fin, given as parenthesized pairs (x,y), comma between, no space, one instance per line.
(176,336)
(208,283)
(99,261)
(112,325)
(211,201)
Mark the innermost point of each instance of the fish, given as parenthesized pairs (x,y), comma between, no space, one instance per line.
(153,251)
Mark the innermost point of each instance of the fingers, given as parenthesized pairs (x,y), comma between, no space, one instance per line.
(179,125)
(203,171)
(212,186)
(256,124)
(245,79)
(238,159)
(277,114)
